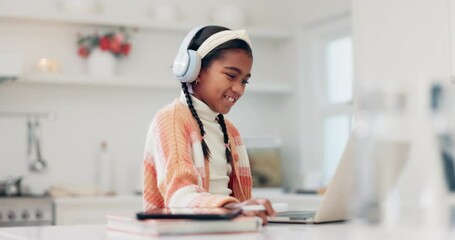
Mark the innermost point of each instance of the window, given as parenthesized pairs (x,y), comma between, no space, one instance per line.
(338,66)
(327,96)
(338,93)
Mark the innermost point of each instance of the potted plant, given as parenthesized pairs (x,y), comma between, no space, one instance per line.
(103,49)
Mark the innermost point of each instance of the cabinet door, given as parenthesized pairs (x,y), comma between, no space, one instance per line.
(83,211)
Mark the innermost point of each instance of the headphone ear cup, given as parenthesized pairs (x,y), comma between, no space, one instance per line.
(180,65)
(194,65)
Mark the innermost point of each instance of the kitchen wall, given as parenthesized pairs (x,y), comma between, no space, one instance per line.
(87,115)
(402,48)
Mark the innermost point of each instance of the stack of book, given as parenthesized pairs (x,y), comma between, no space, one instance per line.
(120,227)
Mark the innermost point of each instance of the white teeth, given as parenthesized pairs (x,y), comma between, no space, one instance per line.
(231,99)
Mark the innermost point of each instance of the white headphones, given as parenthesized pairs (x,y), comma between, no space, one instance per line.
(187,63)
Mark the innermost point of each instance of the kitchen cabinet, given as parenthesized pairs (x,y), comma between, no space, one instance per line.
(93,210)
(130,78)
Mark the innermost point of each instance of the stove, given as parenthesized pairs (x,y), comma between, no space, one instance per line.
(26,211)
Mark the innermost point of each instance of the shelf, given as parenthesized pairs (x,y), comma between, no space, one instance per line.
(87,80)
(132,82)
(137,22)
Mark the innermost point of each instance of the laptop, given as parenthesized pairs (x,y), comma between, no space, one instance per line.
(335,203)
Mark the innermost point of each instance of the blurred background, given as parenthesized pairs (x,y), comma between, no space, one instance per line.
(69,111)
(78,108)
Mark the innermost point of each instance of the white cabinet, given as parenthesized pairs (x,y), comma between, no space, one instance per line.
(93,210)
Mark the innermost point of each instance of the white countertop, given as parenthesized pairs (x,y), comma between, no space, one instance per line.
(338,231)
(99,199)
(275,195)
(93,209)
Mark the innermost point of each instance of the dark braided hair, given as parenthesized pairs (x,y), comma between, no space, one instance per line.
(225,136)
(205,148)
(216,53)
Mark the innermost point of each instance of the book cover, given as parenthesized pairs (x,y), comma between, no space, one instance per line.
(156,227)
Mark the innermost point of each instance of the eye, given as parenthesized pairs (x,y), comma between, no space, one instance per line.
(231,76)
(245,81)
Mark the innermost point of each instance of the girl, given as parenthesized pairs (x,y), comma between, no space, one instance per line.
(193,156)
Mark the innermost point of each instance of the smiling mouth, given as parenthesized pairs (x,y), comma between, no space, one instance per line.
(230,99)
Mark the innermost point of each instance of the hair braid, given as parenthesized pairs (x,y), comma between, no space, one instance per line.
(205,148)
(225,136)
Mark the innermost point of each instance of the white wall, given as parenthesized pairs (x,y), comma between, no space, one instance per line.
(401,47)
(88,115)
(409,44)
(403,52)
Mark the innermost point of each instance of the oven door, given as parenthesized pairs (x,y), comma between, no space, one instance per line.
(26,211)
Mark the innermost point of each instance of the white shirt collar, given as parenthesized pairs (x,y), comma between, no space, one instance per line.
(202,109)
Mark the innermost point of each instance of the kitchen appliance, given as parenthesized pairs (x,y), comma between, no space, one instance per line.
(11,187)
(26,210)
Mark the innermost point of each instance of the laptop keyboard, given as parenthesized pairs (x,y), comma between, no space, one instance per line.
(296,215)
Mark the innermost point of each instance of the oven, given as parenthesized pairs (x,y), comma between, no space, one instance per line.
(26,211)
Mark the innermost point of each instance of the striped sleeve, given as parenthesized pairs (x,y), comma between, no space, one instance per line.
(242,190)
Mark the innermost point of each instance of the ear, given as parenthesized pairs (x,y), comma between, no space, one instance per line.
(202,71)
(193,85)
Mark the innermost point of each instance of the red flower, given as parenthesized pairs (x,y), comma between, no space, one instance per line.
(125,49)
(115,45)
(104,43)
(115,42)
(119,37)
(83,52)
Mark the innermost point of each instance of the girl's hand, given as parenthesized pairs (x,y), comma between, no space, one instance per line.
(262,214)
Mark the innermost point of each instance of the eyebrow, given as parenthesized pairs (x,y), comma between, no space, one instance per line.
(238,71)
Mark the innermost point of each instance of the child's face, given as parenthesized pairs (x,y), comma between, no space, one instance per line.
(223,82)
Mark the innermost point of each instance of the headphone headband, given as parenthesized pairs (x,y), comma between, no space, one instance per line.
(221,37)
(187,63)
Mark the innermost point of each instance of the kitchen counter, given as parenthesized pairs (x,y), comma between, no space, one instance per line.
(338,231)
(92,210)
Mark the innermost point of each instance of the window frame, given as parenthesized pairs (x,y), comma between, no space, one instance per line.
(315,106)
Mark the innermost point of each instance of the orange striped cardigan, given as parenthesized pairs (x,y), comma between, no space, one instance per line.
(175,171)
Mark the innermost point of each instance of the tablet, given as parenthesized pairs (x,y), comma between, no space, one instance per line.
(190,213)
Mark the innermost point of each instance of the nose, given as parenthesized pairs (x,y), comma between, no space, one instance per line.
(238,88)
